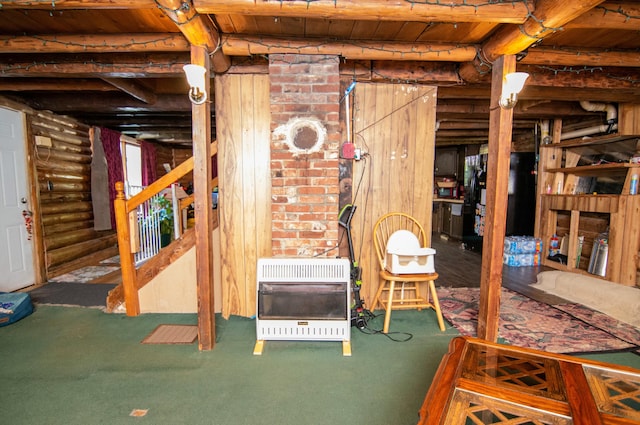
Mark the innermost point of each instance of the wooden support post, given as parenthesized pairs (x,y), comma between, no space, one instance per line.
(127,266)
(500,121)
(201,122)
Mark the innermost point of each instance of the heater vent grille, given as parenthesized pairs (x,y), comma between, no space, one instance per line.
(303,270)
(317,330)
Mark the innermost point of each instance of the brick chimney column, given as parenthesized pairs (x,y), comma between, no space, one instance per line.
(305,142)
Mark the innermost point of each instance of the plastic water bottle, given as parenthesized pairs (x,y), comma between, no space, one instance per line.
(633,189)
(554,246)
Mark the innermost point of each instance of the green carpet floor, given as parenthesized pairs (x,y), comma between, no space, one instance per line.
(68,365)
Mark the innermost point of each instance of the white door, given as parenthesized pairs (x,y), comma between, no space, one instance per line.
(16,252)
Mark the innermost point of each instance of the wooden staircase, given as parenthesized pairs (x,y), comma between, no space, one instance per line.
(135,278)
(151,268)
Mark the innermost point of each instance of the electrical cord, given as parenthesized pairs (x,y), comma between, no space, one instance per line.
(367,329)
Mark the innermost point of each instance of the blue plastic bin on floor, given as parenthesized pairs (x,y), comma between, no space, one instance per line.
(14,306)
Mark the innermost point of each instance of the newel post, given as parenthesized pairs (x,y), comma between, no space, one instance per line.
(126,256)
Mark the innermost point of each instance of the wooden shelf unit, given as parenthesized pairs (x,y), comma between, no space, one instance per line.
(562,162)
(562,166)
(624,232)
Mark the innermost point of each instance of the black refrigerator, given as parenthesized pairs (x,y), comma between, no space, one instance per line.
(521,201)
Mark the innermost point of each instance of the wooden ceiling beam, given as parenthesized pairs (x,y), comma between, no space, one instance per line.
(587,77)
(548,17)
(403,71)
(62,85)
(563,83)
(78,4)
(174,122)
(610,15)
(246,46)
(198,29)
(582,57)
(133,89)
(451,141)
(461,109)
(166,136)
(548,93)
(546,82)
(89,43)
(108,65)
(462,133)
(108,102)
(462,125)
(252,45)
(569,93)
(376,10)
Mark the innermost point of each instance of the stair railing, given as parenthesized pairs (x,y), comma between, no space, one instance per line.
(126,212)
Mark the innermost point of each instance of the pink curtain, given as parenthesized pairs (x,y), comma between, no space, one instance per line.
(111,144)
(149,170)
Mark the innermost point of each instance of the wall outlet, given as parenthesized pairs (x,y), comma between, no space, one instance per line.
(43,141)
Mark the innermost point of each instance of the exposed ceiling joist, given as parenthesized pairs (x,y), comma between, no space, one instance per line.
(108,65)
(60,55)
(133,89)
(247,46)
(549,17)
(94,43)
(514,12)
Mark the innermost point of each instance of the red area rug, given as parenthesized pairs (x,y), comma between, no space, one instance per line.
(528,323)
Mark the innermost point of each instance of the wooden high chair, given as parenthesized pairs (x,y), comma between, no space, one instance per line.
(402,290)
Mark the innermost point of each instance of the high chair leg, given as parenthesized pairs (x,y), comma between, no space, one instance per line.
(436,304)
(387,314)
(376,300)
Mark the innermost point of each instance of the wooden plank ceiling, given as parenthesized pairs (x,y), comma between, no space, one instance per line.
(118,63)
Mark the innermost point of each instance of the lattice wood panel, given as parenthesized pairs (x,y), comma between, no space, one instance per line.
(473,408)
(616,393)
(521,372)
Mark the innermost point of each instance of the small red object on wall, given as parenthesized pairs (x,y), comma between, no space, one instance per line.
(28,222)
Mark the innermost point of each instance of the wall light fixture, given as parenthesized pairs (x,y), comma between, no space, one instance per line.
(512,85)
(196,78)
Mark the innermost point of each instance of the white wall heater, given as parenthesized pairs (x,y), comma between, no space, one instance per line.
(303,299)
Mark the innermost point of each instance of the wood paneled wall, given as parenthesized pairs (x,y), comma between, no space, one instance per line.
(243,134)
(395,125)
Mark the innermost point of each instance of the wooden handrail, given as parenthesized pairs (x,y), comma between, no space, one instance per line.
(165,181)
(185,202)
(123,208)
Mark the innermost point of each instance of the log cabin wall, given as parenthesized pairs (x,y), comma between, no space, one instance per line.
(62,154)
(395,125)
